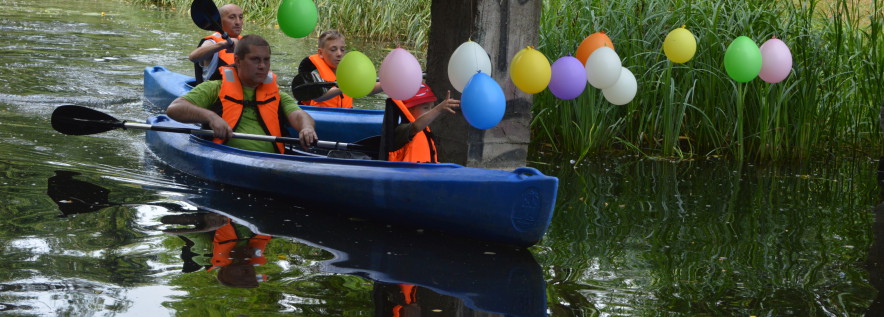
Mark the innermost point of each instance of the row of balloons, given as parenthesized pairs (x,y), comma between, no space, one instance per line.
(482,100)
(743,59)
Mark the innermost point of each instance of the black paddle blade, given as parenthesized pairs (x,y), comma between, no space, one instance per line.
(77,120)
(304,88)
(373,142)
(205,15)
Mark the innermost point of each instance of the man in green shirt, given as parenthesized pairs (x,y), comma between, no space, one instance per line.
(231,102)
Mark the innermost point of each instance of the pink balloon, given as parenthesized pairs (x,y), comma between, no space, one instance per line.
(568,78)
(400,74)
(776,61)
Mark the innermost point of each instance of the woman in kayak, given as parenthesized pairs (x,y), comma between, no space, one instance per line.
(408,123)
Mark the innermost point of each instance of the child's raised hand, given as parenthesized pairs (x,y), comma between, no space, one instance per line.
(449,104)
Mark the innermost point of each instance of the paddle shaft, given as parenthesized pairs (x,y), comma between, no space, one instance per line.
(323,84)
(328,84)
(269,138)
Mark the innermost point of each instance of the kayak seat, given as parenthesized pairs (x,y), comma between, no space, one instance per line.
(392,117)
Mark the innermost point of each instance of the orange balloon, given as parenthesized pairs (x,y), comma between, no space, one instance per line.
(590,44)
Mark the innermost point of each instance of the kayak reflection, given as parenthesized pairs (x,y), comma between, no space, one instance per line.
(412,273)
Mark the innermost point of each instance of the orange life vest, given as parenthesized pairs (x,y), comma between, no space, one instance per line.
(225,58)
(421,149)
(408,292)
(327,74)
(226,239)
(266,100)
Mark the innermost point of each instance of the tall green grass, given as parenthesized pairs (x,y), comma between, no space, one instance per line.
(403,22)
(828,105)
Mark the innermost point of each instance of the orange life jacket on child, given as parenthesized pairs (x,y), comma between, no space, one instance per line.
(327,74)
(421,149)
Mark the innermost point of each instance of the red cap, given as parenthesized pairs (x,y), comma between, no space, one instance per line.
(424,94)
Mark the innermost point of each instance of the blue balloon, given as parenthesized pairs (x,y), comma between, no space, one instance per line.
(483,102)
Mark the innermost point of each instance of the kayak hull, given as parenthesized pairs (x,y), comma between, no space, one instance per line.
(510,207)
(162,86)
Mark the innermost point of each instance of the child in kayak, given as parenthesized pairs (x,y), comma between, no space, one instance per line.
(322,67)
(406,126)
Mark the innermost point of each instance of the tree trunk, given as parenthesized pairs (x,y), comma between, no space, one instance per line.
(502,28)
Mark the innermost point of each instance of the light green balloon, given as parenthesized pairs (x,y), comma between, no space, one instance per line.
(297,18)
(356,75)
(742,60)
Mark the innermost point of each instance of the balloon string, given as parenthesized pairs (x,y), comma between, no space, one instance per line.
(470,36)
(472,29)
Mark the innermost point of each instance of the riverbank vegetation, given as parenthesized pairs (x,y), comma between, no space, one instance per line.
(404,22)
(828,105)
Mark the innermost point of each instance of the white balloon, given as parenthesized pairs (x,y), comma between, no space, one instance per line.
(468,59)
(623,91)
(603,67)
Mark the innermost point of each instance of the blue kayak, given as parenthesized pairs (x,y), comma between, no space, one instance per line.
(162,86)
(511,207)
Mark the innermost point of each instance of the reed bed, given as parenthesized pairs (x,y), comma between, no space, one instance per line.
(402,22)
(827,106)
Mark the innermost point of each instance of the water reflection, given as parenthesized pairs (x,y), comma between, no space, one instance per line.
(412,272)
(213,242)
(406,273)
(647,238)
(875,261)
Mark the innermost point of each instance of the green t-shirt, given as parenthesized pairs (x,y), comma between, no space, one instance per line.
(206,94)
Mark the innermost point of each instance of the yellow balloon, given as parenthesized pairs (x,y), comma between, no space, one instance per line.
(530,70)
(680,45)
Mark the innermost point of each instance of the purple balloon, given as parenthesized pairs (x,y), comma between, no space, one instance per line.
(568,78)
(776,61)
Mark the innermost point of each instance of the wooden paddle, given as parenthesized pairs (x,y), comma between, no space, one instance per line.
(78,120)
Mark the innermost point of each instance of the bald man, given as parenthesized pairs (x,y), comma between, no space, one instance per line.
(214,51)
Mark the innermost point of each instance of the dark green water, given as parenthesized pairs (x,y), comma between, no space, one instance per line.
(630,237)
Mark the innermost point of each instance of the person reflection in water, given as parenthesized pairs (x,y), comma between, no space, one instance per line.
(408,300)
(215,243)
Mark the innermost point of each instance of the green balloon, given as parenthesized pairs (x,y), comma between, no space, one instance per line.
(742,60)
(297,18)
(356,75)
